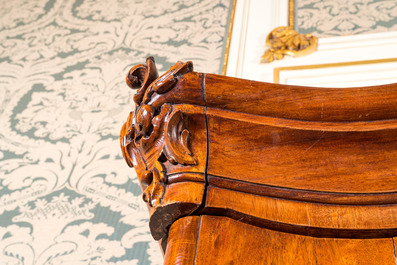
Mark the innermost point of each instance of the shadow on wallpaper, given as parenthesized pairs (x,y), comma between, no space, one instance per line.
(66,194)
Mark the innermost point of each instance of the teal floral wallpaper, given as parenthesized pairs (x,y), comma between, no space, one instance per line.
(66,194)
(328,18)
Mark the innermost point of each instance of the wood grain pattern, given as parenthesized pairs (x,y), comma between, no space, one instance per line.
(180,199)
(182,241)
(353,162)
(324,126)
(304,217)
(304,195)
(308,175)
(301,103)
(226,241)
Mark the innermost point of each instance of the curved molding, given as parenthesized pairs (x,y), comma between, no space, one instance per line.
(341,198)
(354,126)
(329,220)
(301,103)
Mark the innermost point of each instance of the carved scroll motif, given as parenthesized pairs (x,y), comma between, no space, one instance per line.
(155,133)
(286,41)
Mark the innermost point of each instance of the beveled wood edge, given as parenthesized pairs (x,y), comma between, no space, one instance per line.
(350,104)
(369,221)
(277,86)
(300,230)
(185,177)
(352,126)
(337,198)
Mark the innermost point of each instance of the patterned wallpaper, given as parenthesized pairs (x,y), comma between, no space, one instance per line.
(66,194)
(328,18)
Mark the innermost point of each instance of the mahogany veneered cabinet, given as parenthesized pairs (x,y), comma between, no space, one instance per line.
(242,172)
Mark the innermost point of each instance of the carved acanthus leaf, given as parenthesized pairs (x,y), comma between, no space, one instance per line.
(176,141)
(156,188)
(155,130)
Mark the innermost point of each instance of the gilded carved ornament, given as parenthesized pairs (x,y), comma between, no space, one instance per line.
(286,41)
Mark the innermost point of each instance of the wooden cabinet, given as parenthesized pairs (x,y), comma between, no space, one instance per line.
(243,172)
(203,240)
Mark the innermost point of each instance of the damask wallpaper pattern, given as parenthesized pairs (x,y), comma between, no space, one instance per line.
(66,194)
(327,18)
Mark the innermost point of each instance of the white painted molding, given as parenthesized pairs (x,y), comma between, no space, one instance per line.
(348,75)
(254,19)
(238,39)
(362,40)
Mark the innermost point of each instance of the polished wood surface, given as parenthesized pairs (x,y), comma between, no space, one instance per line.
(182,241)
(371,103)
(226,241)
(281,174)
(303,159)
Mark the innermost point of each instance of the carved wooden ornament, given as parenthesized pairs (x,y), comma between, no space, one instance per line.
(155,132)
(288,174)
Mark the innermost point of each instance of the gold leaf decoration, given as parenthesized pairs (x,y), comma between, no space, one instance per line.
(286,41)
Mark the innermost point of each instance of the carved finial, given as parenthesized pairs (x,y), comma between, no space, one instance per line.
(286,41)
(140,77)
